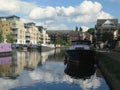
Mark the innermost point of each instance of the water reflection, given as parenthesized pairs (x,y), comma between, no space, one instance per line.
(12,66)
(91,83)
(83,75)
(81,70)
(42,71)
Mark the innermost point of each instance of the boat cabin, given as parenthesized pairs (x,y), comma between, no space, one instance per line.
(80,44)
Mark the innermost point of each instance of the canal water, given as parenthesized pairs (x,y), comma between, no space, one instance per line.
(33,70)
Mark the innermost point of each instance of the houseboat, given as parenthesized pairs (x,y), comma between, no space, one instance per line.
(79,59)
(79,52)
(5,49)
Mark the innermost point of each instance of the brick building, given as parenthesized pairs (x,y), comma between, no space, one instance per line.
(67,35)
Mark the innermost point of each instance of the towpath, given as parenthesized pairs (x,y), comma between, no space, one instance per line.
(113,54)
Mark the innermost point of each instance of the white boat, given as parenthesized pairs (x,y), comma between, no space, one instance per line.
(46,47)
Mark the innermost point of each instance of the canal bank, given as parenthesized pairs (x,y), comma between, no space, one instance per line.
(108,63)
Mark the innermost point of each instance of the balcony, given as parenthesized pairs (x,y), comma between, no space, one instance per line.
(28,39)
(15,32)
(14,27)
(27,34)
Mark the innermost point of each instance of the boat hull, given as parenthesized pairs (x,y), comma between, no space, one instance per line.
(79,56)
(80,63)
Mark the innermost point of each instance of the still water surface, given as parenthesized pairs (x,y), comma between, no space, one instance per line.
(43,71)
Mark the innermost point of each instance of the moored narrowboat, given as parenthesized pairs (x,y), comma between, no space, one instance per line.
(80,52)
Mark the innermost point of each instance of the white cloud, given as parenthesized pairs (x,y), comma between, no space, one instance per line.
(83,18)
(104,15)
(84,28)
(15,6)
(62,11)
(88,7)
(41,13)
(85,12)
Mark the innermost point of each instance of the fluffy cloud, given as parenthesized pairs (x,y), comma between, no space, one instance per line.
(85,12)
(41,13)
(84,28)
(103,15)
(89,7)
(15,6)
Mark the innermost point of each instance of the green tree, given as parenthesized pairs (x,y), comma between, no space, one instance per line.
(76,28)
(1,37)
(62,42)
(91,31)
(107,37)
(80,30)
(10,38)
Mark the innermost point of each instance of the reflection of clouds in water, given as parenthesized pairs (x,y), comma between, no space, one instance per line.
(21,81)
(52,74)
(93,82)
(6,84)
(49,76)
(44,55)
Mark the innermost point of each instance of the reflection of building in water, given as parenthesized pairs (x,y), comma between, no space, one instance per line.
(18,62)
(44,55)
(32,59)
(12,66)
(5,64)
(57,56)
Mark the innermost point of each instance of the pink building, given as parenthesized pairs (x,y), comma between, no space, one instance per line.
(5,47)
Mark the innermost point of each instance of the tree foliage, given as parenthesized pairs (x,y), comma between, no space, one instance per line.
(9,38)
(61,42)
(76,28)
(91,31)
(108,37)
(80,30)
(1,37)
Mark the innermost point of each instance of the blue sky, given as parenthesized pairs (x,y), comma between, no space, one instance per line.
(61,14)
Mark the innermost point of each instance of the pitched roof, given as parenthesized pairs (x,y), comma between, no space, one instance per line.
(102,21)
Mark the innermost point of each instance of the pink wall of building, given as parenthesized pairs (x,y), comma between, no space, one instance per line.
(5,47)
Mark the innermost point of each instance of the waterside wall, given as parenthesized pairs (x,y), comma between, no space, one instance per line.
(110,70)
